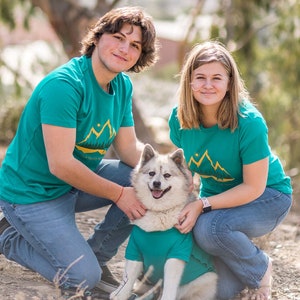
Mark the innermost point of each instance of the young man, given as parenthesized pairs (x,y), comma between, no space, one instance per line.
(54,166)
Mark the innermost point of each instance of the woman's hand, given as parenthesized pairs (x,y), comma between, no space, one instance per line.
(188,216)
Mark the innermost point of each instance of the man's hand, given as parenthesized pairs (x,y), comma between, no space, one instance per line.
(130,205)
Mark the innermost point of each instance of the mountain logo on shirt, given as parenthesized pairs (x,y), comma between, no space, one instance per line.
(209,169)
(91,143)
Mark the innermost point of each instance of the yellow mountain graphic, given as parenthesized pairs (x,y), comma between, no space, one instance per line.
(89,150)
(93,133)
(215,171)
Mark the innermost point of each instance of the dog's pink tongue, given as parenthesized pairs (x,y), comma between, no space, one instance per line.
(157,193)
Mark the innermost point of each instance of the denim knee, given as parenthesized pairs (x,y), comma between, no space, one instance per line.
(83,276)
(92,276)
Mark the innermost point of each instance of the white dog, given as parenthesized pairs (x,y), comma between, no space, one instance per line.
(162,184)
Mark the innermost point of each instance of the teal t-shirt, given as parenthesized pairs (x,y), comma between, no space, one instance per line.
(71,97)
(218,155)
(154,248)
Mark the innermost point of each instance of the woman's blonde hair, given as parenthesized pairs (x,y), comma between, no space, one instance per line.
(113,22)
(190,114)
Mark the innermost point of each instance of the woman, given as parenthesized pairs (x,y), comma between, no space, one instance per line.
(54,166)
(244,191)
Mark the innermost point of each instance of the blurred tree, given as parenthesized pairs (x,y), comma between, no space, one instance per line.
(185,44)
(283,67)
(70,20)
(264,36)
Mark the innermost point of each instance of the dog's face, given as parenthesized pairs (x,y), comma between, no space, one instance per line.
(161,181)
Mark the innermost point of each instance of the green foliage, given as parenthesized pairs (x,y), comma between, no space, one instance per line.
(7,14)
(168,72)
(8,8)
(13,95)
(9,119)
(8,18)
(264,37)
(283,67)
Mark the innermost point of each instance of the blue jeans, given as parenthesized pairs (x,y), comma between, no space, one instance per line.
(44,236)
(226,234)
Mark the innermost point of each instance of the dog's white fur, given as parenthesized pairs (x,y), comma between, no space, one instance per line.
(162,183)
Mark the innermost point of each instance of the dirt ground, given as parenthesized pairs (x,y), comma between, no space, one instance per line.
(283,245)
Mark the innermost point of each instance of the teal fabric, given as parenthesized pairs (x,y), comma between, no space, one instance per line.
(218,155)
(70,97)
(154,248)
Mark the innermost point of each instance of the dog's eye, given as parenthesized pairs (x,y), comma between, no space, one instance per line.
(151,173)
(167,175)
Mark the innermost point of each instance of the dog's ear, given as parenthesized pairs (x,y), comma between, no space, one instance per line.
(178,157)
(148,153)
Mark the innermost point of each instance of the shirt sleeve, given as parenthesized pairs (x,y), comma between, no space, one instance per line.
(59,103)
(132,252)
(254,140)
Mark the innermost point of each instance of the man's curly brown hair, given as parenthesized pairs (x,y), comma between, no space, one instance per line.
(113,22)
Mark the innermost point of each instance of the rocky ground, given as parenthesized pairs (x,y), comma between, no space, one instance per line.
(283,245)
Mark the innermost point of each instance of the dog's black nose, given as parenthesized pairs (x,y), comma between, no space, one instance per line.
(156,184)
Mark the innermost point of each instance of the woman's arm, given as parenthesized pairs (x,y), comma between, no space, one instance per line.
(253,185)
